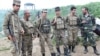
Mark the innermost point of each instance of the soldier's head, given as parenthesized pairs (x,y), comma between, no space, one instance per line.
(73,9)
(16,5)
(84,10)
(44,13)
(27,14)
(57,11)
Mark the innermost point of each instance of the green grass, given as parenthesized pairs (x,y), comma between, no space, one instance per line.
(4,48)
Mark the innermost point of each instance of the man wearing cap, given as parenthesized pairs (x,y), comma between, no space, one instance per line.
(12,28)
(72,21)
(59,31)
(44,26)
(29,33)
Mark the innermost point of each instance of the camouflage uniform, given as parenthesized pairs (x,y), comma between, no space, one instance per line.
(59,32)
(87,32)
(86,29)
(27,37)
(60,26)
(44,26)
(72,31)
(13,27)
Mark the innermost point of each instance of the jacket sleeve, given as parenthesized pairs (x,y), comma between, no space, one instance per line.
(93,20)
(5,25)
(37,23)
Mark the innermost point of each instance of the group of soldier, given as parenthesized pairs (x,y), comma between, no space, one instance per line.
(21,33)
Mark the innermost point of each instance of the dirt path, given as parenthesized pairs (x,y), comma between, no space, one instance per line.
(5,46)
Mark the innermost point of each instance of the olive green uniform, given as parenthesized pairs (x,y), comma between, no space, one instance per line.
(59,33)
(27,37)
(72,22)
(45,35)
(13,27)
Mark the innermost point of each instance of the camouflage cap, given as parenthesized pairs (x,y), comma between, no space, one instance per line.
(17,2)
(44,10)
(57,9)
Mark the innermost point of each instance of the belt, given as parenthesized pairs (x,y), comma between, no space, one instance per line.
(27,34)
(72,25)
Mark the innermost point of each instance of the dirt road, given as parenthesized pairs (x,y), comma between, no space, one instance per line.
(5,49)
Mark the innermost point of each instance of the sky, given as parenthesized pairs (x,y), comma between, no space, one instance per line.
(42,4)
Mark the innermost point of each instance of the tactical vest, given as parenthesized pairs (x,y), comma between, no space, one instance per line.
(45,26)
(72,20)
(60,23)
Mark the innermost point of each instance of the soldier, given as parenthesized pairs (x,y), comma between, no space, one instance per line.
(72,21)
(59,31)
(87,25)
(29,33)
(44,26)
(12,28)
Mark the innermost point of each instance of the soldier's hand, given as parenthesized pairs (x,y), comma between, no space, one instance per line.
(10,37)
(34,36)
(22,31)
(55,20)
(83,21)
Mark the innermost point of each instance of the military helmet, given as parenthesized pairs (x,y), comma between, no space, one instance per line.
(16,2)
(57,9)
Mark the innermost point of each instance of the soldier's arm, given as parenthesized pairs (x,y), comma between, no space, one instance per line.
(66,20)
(5,25)
(37,23)
(78,21)
(21,27)
(54,21)
(93,20)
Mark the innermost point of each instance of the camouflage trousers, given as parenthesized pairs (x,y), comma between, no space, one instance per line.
(72,35)
(88,38)
(61,38)
(16,45)
(27,45)
(48,41)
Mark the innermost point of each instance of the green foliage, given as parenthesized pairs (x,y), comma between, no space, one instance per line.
(94,9)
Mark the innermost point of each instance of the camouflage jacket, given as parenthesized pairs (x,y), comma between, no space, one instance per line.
(89,22)
(11,24)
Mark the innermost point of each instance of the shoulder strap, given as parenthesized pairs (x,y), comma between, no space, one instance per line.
(9,27)
(40,22)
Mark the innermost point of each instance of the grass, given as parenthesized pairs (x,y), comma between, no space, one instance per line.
(4,48)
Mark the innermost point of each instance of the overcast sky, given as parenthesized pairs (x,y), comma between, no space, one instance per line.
(40,4)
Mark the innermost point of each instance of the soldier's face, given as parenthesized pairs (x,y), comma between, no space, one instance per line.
(58,13)
(83,10)
(74,11)
(16,7)
(27,14)
(44,14)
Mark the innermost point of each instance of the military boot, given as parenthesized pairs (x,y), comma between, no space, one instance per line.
(73,49)
(58,51)
(95,50)
(69,48)
(85,50)
(66,53)
(53,54)
(43,54)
